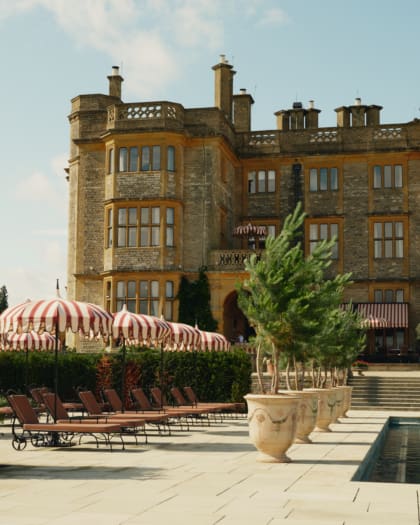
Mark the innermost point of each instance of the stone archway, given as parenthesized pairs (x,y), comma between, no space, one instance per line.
(234,321)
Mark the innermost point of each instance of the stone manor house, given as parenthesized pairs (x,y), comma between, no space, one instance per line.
(158,190)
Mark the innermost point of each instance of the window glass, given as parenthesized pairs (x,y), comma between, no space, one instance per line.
(388,229)
(145,158)
(378,296)
(154,289)
(145,216)
(144,289)
(323,179)
(313,232)
(389,296)
(171,158)
(109,221)
(323,231)
(169,236)
(155,236)
(398,176)
(271,230)
(378,249)
(121,289)
(144,236)
(378,230)
(132,228)
(169,289)
(123,163)
(111,161)
(377,177)
(399,248)
(132,216)
(313,180)
(333,179)
(251,182)
(261,182)
(334,230)
(144,307)
(271,181)
(131,288)
(168,310)
(387,177)
(156,158)
(134,159)
(154,308)
(388,248)
(400,338)
(170,213)
(399,296)
(398,229)
(155,215)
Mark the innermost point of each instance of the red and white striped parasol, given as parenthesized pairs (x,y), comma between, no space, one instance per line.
(29,341)
(139,328)
(250,230)
(182,337)
(213,341)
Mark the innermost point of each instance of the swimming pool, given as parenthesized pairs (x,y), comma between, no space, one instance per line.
(395,456)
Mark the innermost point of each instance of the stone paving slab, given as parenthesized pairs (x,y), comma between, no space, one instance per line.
(207,476)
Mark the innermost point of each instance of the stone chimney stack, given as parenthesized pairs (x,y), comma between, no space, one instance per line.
(373,117)
(223,86)
(358,113)
(311,117)
(343,117)
(242,110)
(115,81)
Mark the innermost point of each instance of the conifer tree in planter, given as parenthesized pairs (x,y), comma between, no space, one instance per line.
(287,299)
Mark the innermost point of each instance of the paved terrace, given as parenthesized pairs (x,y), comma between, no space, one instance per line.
(206,476)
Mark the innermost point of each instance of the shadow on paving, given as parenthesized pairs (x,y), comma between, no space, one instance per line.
(230,433)
(205,447)
(76,473)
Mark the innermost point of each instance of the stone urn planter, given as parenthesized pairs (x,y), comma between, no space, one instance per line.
(272,423)
(326,408)
(346,400)
(339,403)
(307,413)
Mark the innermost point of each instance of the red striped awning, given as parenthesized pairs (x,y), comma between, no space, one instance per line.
(384,315)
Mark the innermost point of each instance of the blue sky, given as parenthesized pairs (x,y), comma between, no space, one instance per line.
(283,51)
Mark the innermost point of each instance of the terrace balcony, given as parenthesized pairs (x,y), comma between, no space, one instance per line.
(230,260)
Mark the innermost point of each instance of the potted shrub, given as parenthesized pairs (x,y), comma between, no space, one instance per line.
(286,298)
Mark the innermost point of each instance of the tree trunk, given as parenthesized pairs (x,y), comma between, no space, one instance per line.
(259,369)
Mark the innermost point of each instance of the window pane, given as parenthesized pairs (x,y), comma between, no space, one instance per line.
(313,232)
(121,237)
(168,311)
(170,213)
(399,296)
(398,176)
(323,179)
(333,230)
(145,158)
(312,246)
(400,338)
(333,179)
(378,249)
(132,216)
(123,164)
(155,236)
(377,230)
(399,248)
(120,304)
(144,288)
(154,308)
(169,236)
(155,215)
(261,182)
(111,161)
(144,307)
(313,180)
(154,289)
(399,229)
(388,248)
(131,306)
(377,177)
(134,159)
(271,230)
(131,288)
(145,216)
(387,177)
(122,215)
(388,230)
(144,236)
(121,289)
(378,296)
(389,296)
(169,289)
(156,158)
(334,251)
(132,237)
(271,181)
(323,231)
(251,182)
(171,158)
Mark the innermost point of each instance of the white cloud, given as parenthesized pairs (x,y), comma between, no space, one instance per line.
(58,163)
(274,16)
(37,187)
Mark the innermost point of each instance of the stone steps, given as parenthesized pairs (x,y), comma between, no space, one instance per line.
(385,393)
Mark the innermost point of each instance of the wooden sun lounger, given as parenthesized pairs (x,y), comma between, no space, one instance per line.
(55,434)
(196,414)
(224,407)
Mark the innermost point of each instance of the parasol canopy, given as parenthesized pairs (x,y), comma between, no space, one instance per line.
(213,341)
(182,337)
(250,230)
(139,328)
(29,341)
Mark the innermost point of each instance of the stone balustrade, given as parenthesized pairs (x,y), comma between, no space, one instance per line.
(230,259)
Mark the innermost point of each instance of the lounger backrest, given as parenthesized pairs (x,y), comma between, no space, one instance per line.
(189,392)
(23,409)
(89,402)
(177,395)
(141,399)
(113,399)
(55,406)
(36,394)
(158,396)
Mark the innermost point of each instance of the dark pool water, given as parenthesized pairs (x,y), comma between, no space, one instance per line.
(398,459)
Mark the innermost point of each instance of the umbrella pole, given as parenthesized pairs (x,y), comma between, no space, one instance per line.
(162,383)
(55,370)
(123,376)
(26,369)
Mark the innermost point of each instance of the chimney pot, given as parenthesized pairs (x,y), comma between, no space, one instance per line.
(242,91)
(311,104)
(223,59)
(357,101)
(115,71)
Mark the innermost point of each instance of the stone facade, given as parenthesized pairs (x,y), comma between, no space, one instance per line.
(157,189)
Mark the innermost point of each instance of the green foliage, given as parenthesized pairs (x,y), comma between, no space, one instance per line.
(216,376)
(194,302)
(287,298)
(4,301)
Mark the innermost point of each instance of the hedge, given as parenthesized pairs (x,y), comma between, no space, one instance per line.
(215,376)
